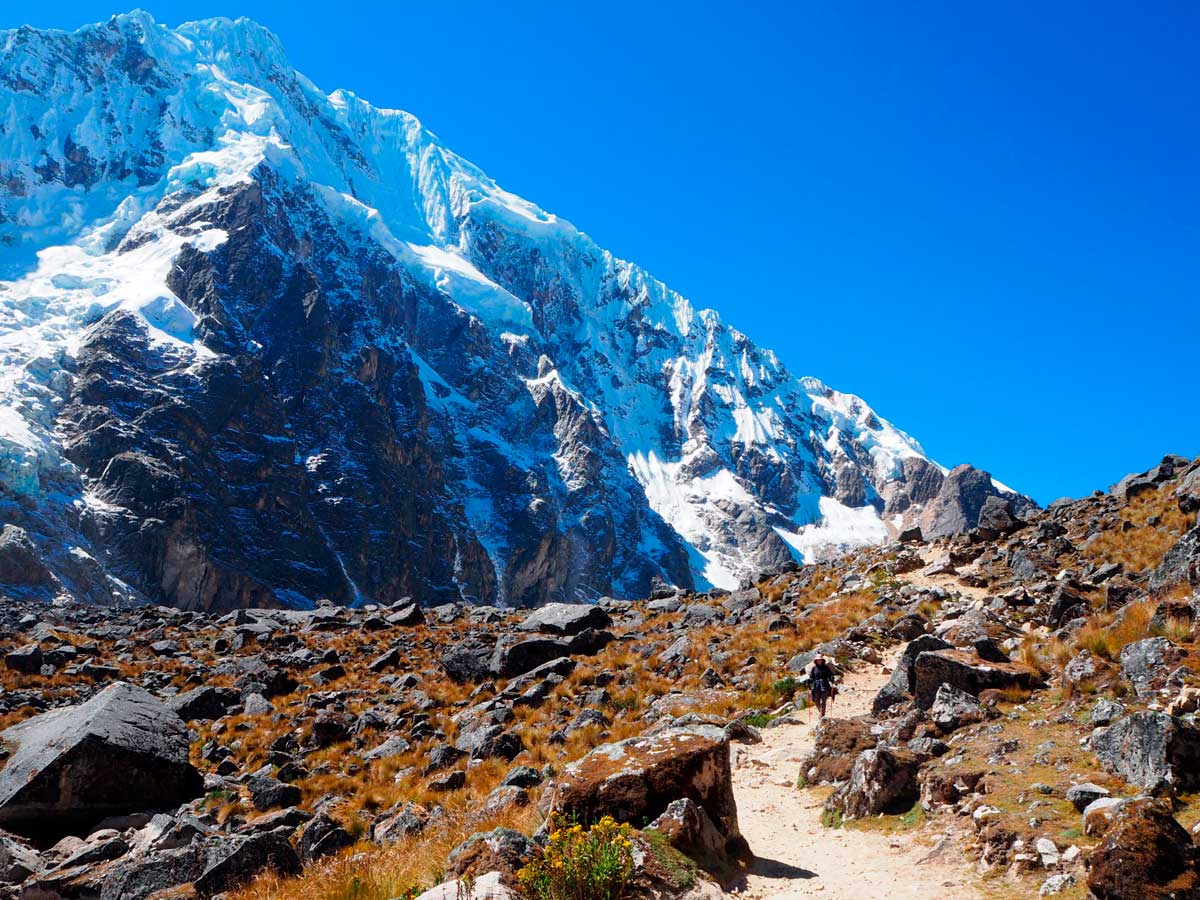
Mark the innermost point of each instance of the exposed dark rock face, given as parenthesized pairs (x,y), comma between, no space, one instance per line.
(959,501)
(234,482)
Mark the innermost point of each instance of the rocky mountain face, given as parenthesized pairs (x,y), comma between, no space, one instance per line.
(260,345)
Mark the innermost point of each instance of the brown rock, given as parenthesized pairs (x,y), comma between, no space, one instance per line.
(636,780)
(1145,855)
(837,744)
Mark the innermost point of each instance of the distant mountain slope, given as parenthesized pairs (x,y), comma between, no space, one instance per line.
(262,345)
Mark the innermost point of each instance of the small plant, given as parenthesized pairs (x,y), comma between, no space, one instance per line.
(757,720)
(580,863)
(786,687)
(832,818)
(883,580)
(914,816)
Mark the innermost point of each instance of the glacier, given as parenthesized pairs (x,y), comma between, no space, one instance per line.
(587,429)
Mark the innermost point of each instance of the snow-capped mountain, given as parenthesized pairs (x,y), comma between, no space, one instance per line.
(260,344)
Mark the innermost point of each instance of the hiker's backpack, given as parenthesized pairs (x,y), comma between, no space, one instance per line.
(822,684)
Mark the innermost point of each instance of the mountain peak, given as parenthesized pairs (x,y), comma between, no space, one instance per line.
(541,418)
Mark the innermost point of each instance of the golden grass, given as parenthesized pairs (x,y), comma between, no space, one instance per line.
(368,872)
(1106,634)
(1143,546)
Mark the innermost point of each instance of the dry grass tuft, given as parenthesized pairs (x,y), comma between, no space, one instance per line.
(1143,546)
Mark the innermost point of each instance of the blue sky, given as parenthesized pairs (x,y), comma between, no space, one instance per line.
(983,220)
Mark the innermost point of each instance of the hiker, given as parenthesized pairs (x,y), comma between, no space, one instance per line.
(820,683)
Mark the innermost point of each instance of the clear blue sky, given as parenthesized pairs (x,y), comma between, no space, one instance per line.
(983,218)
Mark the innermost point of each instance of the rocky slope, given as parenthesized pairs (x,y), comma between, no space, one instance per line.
(261,345)
(1044,685)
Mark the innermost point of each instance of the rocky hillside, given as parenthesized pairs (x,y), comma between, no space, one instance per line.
(1037,716)
(262,345)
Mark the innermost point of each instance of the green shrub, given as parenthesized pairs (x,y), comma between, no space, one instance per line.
(832,818)
(786,687)
(580,863)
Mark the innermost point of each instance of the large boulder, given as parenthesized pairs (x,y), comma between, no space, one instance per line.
(566,618)
(1144,855)
(960,500)
(953,709)
(17,860)
(689,830)
(500,850)
(123,751)
(882,780)
(205,703)
(1151,750)
(1181,565)
(902,683)
(836,745)
(210,863)
(996,517)
(637,779)
(512,658)
(20,563)
(467,662)
(1145,663)
(967,672)
(1065,606)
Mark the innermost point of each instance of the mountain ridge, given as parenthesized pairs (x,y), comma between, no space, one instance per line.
(577,427)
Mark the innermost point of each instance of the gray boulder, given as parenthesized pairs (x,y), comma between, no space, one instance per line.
(953,709)
(1151,750)
(1181,565)
(121,752)
(205,703)
(566,618)
(883,780)
(959,501)
(1145,663)
(20,563)
(1083,795)
(967,672)
(996,517)
(27,660)
(516,658)
(211,863)
(17,860)
(902,683)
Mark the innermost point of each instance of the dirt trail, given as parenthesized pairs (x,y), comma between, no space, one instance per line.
(798,857)
(949,582)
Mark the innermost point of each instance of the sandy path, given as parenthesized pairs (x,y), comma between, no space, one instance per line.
(797,856)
